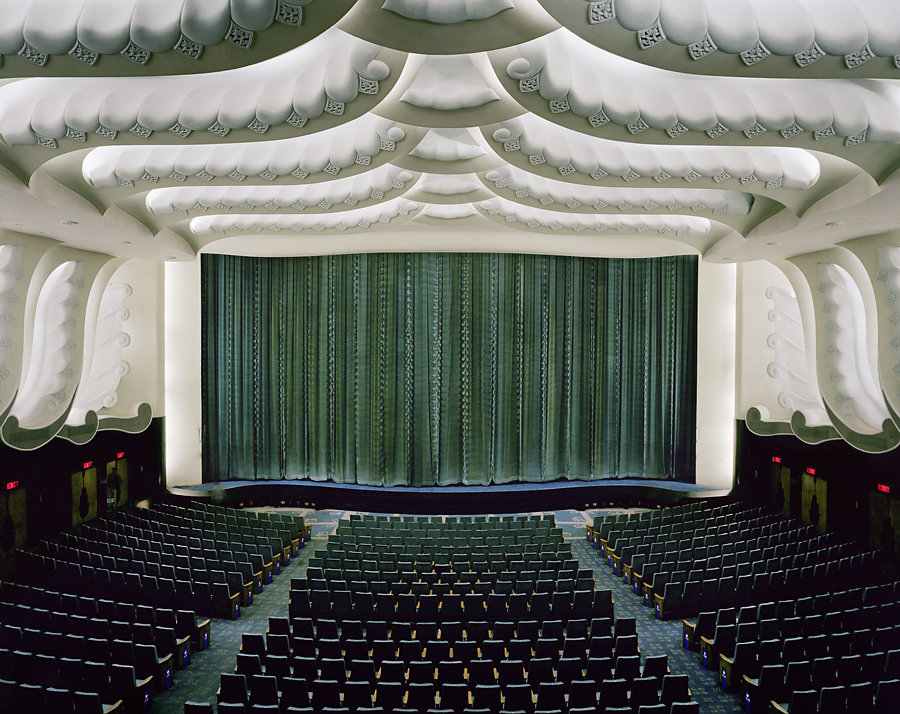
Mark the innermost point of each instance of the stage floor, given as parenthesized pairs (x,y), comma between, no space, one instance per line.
(505,498)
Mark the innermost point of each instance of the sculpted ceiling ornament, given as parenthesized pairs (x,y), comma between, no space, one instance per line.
(88,29)
(321,77)
(447,12)
(806,30)
(574,76)
(752,130)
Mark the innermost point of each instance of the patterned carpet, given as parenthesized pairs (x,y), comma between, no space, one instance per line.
(201,680)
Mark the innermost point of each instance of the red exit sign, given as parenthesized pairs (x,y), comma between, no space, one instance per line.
(10,485)
(883,487)
(776,459)
(811,471)
(120,455)
(87,464)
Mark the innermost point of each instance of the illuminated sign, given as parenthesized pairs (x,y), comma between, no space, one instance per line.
(120,455)
(10,485)
(87,464)
(776,459)
(811,471)
(883,487)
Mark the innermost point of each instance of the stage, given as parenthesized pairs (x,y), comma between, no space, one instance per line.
(504,498)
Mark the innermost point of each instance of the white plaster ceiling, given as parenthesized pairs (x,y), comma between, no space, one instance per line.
(160,128)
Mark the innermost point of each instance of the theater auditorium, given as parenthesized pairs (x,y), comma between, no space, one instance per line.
(449,356)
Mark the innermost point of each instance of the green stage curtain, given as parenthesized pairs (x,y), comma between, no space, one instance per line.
(448,368)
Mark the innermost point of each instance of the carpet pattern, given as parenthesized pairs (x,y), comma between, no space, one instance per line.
(201,680)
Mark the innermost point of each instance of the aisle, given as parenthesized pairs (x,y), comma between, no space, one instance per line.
(657,637)
(201,680)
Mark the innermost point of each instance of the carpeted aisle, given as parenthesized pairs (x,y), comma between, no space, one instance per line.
(201,680)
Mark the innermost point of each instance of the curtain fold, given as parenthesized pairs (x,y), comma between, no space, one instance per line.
(439,368)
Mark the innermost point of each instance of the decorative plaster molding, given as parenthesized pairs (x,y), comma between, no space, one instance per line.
(570,152)
(339,194)
(448,145)
(524,185)
(857,396)
(50,376)
(86,29)
(554,220)
(447,12)
(321,76)
(356,218)
(889,273)
(571,74)
(99,391)
(10,293)
(354,143)
(754,29)
(449,184)
(448,82)
(789,368)
(449,212)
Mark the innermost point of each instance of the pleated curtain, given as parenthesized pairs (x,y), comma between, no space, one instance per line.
(448,368)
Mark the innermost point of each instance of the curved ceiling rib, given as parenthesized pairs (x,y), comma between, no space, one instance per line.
(802,38)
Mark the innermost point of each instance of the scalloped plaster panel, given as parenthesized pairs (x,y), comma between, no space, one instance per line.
(570,152)
(357,218)
(87,28)
(889,274)
(341,194)
(856,394)
(446,12)
(573,75)
(755,29)
(319,77)
(11,292)
(526,185)
(555,220)
(44,393)
(353,143)
(789,367)
(99,390)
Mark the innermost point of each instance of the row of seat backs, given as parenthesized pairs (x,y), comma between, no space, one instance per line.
(549,695)
(309,628)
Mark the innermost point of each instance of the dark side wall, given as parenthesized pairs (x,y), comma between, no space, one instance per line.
(40,489)
(831,485)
